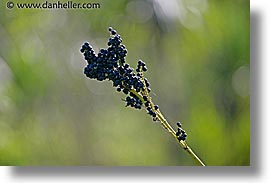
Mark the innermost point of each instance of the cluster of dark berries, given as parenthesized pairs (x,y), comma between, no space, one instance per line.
(110,64)
(133,101)
(181,134)
(151,110)
(141,66)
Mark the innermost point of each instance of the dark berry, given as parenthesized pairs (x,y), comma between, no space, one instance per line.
(145,98)
(182,131)
(125,91)
(113,32)
(181,138)
(147,83)
(144,68)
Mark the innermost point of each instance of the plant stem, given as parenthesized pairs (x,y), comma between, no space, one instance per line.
(166,125)
(184,144)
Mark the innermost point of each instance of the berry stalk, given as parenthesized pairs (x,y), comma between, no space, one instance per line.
(110,64)
(165,124)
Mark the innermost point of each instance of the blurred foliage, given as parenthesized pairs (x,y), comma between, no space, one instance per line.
(197,53)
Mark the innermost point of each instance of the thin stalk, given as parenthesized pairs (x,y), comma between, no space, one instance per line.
(184,144)
(165,124)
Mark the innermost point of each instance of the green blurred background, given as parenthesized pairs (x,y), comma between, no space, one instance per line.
(197,53)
